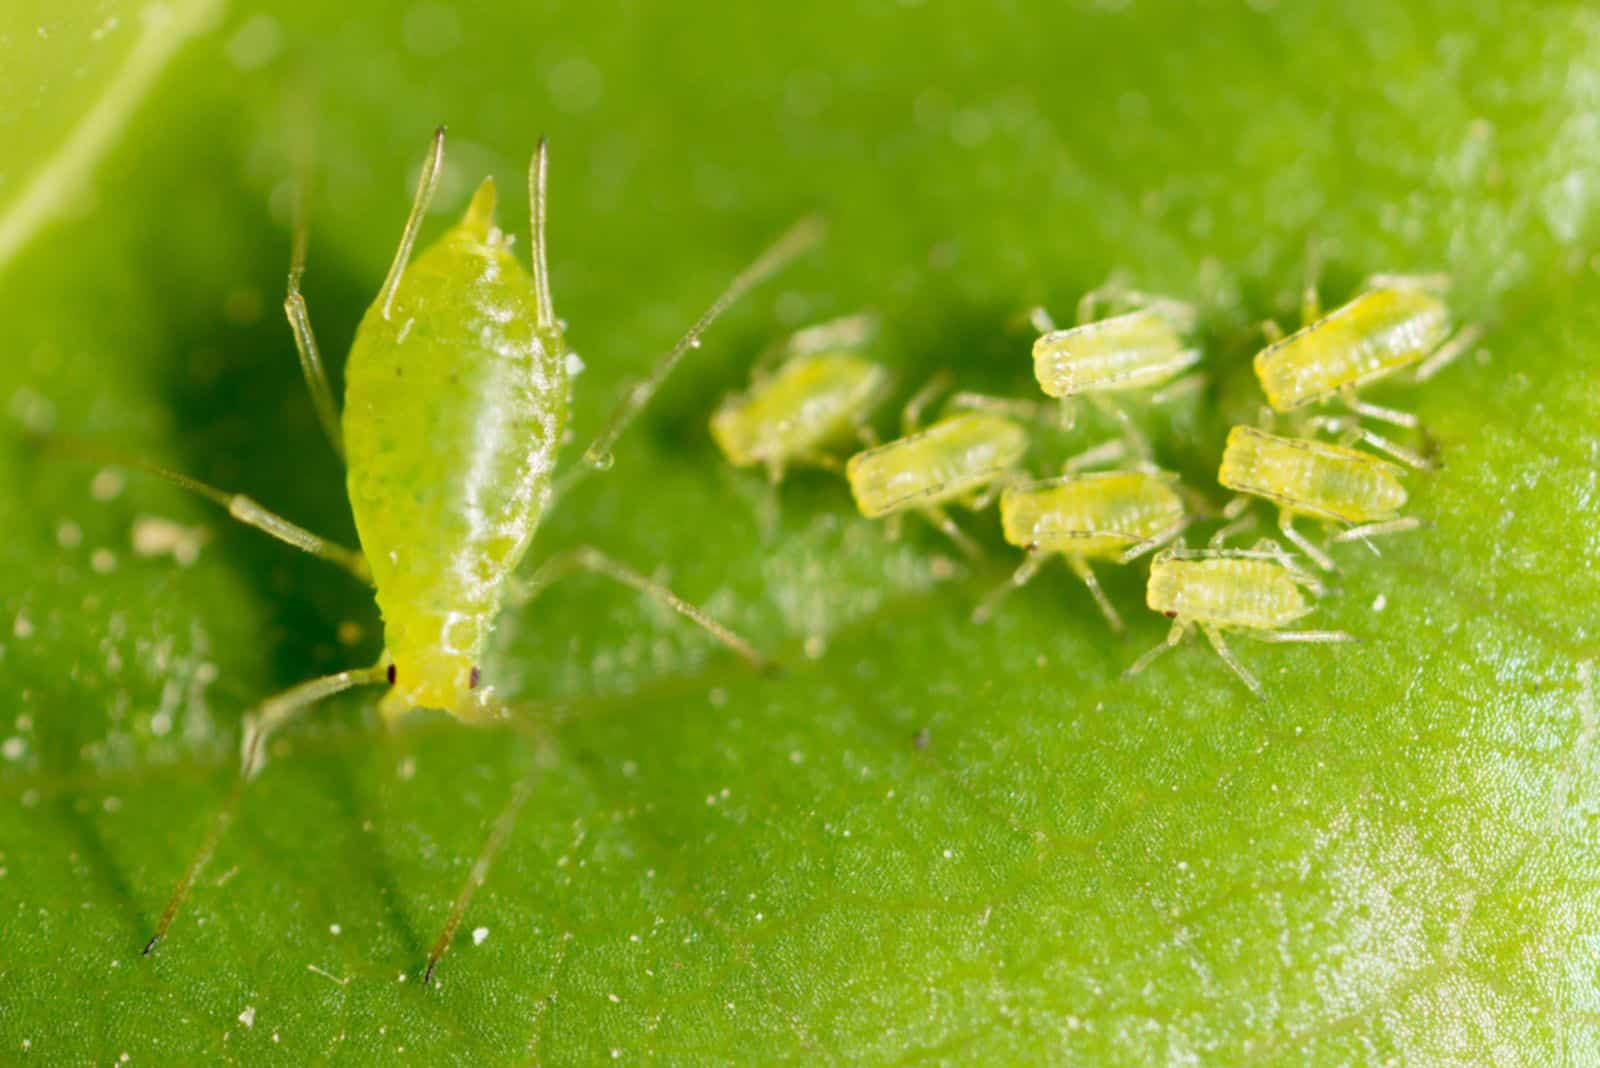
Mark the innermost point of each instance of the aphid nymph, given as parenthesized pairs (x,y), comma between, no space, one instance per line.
(1115,516)
(456,403)
(818,399)
(1255,592)
(1307,477)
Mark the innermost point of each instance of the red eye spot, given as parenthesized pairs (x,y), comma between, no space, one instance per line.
(391,674)
(1170,615)
(474,679)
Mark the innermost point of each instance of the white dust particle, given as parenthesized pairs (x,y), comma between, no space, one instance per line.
(815,647)
(248,1016)
(796,757)
(1380,602)
(154,536)
(948,854)
(103,561)
(408,769)
(334,928)
(402,977)
(106,484)
(13,748)
(613,999)
(23,627)
(479,934)
(68,534)
(616,1054)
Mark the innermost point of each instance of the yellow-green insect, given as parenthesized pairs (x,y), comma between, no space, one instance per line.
(818,399)
(963,458)
(1138,350)
(1394,323)
(455,409)
(1255,592)
(1306,477)
(1116,516)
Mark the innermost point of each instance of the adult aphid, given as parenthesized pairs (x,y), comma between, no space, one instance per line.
(455,406)
(1397,321)
(1115,516)
(817,399)
(961,458)
(1255,592)
(1140,350)
(1307,477)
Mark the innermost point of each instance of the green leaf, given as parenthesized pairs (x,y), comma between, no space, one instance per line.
(926,839)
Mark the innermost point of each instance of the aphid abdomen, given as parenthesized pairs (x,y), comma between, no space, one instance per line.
(813,402)
(1311,477)
(1090,516)
(455,406)
(944,462)
(1256,594)
(1138,350)
(1377,333)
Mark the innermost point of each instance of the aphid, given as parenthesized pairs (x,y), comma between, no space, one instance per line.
(963,458)
(818,399)
(455,408)
(1116,516)
(1136,351)
(1255,592)
(1395,323)
(1306,477)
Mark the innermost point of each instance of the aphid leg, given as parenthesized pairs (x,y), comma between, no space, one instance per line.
(894,527)
(911,414)
(1041,320)
(258,728)
(797,239)
(1107,452)
(1308,636)
(983,402)
(1130,430)
(1437,283)
(1267,549)
(1271,331)
(1310,297)
(238,506)
(1180,386)
(1303,543)
(1081,568)
(504,823)
(1374,530)
(1398,452)
(997,485)
(427,182)
(1448,353)
(941,519)
(1392,416)
(1019,578)
(538,200)
(305,340)
(1214,636)
(588,558)
(1179,631)
(1068,417)
(1238,517)
(1155,541)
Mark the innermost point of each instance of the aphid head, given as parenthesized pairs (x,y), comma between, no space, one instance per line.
(443,680)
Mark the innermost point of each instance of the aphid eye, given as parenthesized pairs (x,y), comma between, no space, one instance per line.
(474,679)
(1170,615)
(391,674)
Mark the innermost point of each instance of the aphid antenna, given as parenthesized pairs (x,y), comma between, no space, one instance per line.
(1040,319)
(427,184)
(911,414)
(798,239)
(294,303)
(538,190)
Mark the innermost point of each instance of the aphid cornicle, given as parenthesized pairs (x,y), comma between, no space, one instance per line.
(1115,516)
(1139,350)
(1307,477)
(818,399)
(962,458)
(1394,323)
(456,404)
(1255,592)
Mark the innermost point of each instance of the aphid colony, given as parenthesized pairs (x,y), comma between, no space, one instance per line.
(1302,460)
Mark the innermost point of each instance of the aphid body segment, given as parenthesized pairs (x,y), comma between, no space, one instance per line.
(816,401)
(1255,592)
(456,401)
(1379,332)
(957,458)
(1304,476)
(1138,350)
(1114,516)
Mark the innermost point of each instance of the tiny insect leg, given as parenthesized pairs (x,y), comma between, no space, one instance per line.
(503,826)
(427,182)
(1010,406)
(911,414)
(1130,430)
(1040,319)
(258,729)
(1179,631)
(1023,575)
(294,306)
(1303,543)
(1155,541)
(1392,416)
(1105,453)
(1214,636)
(1448,353)
(238,506)
(1310,636)
(588,558)
(1081,568)
(1374,530)
(941,519)
(1239,518)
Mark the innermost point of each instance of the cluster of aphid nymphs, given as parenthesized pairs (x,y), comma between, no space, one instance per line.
(811,399)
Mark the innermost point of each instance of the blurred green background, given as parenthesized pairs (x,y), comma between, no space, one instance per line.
(1390,860)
